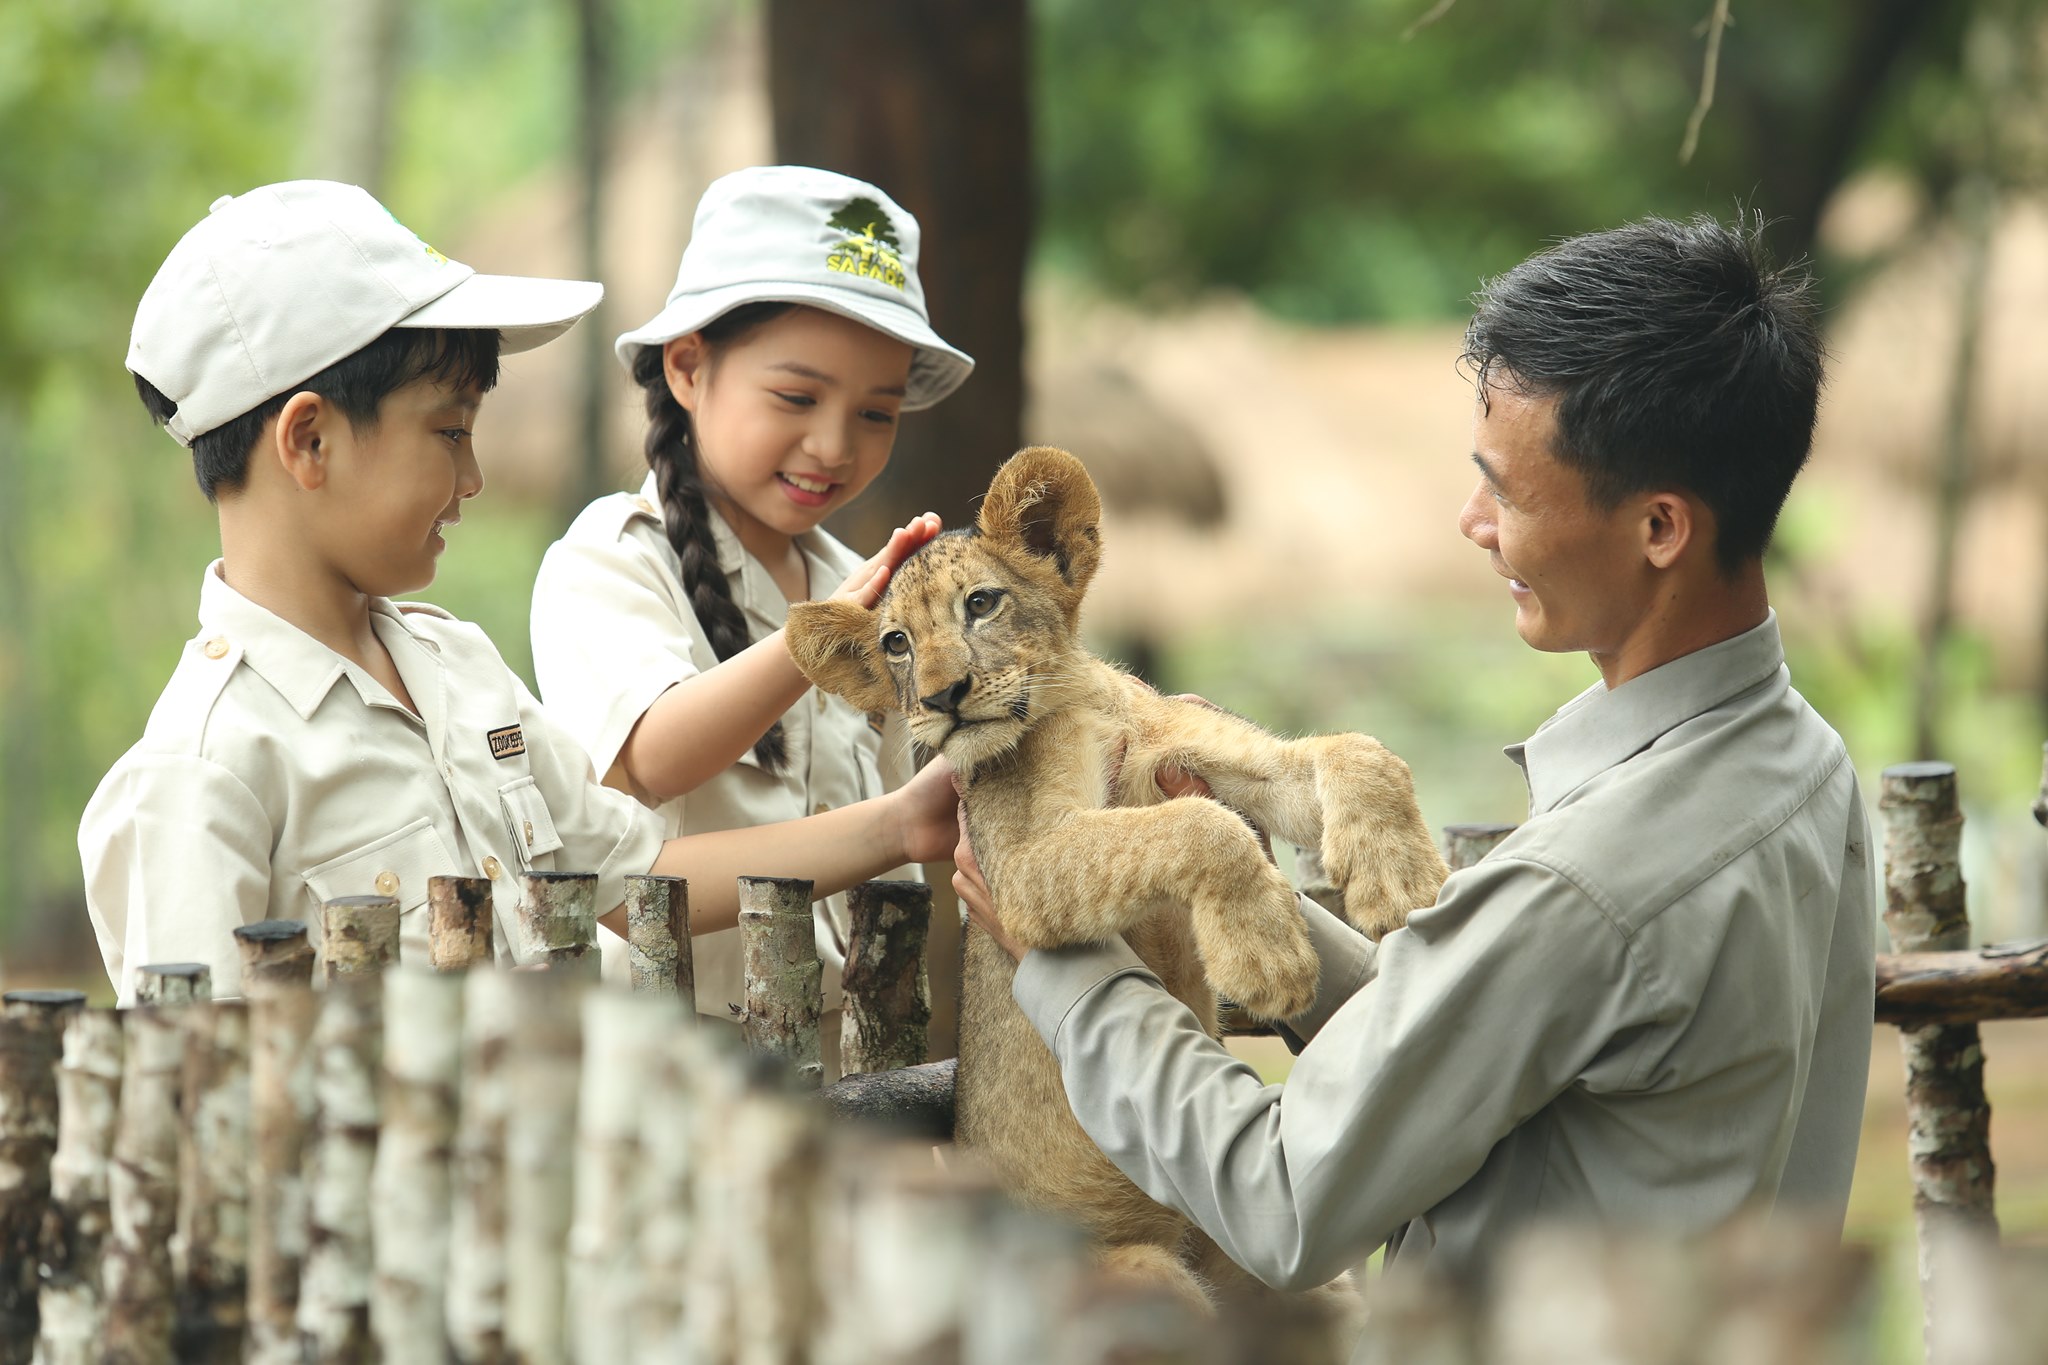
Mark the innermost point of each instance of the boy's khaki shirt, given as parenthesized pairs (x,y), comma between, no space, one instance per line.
(613,630)
(274,775)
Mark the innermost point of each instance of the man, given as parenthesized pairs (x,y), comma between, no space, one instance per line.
(1650,1005)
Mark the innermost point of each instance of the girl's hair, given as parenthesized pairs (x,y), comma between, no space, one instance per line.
(672,455)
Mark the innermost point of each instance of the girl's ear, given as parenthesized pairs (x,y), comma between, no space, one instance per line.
(685,364)
(298,440)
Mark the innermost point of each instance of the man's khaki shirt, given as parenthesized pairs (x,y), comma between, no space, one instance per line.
(1650,1005)
(274,775)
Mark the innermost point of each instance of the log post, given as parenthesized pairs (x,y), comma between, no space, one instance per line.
(785,990)
(888,996)
(461,922)
(668,1160)
(409,1182)
(623,1037)
(476,1224)
(281,1015)
(658,937)
(173,983)
(275,950)
(334,1285)
(211,1256)
(71,1310)
(1998,981)
(142,1189)
(777,1147)
(31,1042)
(711,1294)
(358,935)
(540,1132)
(1028,1287)
(558,922)
(1948,1118)
(1465,845)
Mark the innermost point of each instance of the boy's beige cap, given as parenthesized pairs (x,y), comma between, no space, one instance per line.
(795,234)
(275,285)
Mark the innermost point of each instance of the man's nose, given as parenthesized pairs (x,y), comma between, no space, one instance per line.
(1475,518)
(948,698)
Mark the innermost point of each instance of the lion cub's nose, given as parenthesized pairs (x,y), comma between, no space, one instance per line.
(948,699)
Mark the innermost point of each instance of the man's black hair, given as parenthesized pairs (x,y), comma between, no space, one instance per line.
(357,385)
(1679,356)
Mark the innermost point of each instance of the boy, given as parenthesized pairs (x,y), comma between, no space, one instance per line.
(326,366)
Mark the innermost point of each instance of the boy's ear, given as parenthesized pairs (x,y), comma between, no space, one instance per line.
(297,439)
(834,646)
(1043,502)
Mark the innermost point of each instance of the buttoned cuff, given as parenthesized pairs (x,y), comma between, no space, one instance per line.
(1346,960)
(1051,981)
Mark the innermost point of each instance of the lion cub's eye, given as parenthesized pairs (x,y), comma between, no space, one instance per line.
(981,602)
(896,643)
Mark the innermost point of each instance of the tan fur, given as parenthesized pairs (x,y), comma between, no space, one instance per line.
(977,643)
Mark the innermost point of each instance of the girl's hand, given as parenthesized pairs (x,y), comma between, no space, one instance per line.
(926,826)
(972,888)
(864,587)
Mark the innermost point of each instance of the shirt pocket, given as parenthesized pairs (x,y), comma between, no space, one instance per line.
(529,823)
(397,865)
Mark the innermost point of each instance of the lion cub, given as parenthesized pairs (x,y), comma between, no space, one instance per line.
(977,642)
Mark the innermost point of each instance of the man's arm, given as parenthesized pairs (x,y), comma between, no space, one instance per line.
(1484,1009)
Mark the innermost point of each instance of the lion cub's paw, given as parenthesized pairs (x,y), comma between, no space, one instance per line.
(1256,948)
(1383,870)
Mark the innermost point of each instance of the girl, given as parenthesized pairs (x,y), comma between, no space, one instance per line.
(794,338)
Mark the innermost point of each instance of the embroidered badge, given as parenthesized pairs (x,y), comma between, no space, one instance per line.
(870,249)
(508,742)
(876,720)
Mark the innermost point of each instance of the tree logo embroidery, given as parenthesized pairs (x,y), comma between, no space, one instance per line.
(870,249)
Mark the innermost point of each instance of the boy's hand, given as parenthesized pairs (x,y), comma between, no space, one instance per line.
(864,587)
(925,805)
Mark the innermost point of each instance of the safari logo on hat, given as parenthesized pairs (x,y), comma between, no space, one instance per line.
(872,251)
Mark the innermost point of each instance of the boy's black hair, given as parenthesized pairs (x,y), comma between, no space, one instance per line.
(671,448)
(1679,356)
(357,384)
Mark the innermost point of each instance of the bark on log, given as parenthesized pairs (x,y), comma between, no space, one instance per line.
(461,923)
(623,1036)
(916,1101)
(558,922)
(476,1247)
(658,937)
(31,1042)
(409,1183)
(785,992)
(711,1294)
(1948,1117)
(142,1190)
(275,950)
(888,995)
(668,1162)
(211,1257)
(1465,845)
(281,1015)
(71,1310)
(173,983)
(777,1147)
(334,1287)
(539,1179)
(358,935)
(2001,981)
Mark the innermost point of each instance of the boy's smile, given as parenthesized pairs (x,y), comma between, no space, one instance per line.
(393,490)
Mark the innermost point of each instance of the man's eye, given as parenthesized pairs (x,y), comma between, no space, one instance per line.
(896,643)
(981,602)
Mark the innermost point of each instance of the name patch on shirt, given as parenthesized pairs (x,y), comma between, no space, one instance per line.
(508,742)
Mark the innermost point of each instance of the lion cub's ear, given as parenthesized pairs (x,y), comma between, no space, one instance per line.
(833,644)
(1043,502)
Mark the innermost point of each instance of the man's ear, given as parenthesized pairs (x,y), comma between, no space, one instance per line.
(1671,522)
(834,646)
(1043,502)
(299,438)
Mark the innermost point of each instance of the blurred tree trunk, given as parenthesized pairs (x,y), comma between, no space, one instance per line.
(595,78)
(926,98)
(21,755)
(349,133)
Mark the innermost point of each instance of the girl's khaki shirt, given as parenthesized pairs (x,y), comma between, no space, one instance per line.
(613,630)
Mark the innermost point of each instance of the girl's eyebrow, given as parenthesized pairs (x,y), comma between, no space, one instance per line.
(804,371)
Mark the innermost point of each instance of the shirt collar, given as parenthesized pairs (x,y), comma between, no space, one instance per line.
(1599,729)
(302,669)
(757,592)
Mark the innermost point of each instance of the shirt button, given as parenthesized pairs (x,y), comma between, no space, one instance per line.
(529,834)
(387,883)
(493,868)
(821,703)
(821,808)
(217,647)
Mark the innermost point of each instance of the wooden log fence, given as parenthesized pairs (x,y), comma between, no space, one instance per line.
(473,1164)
